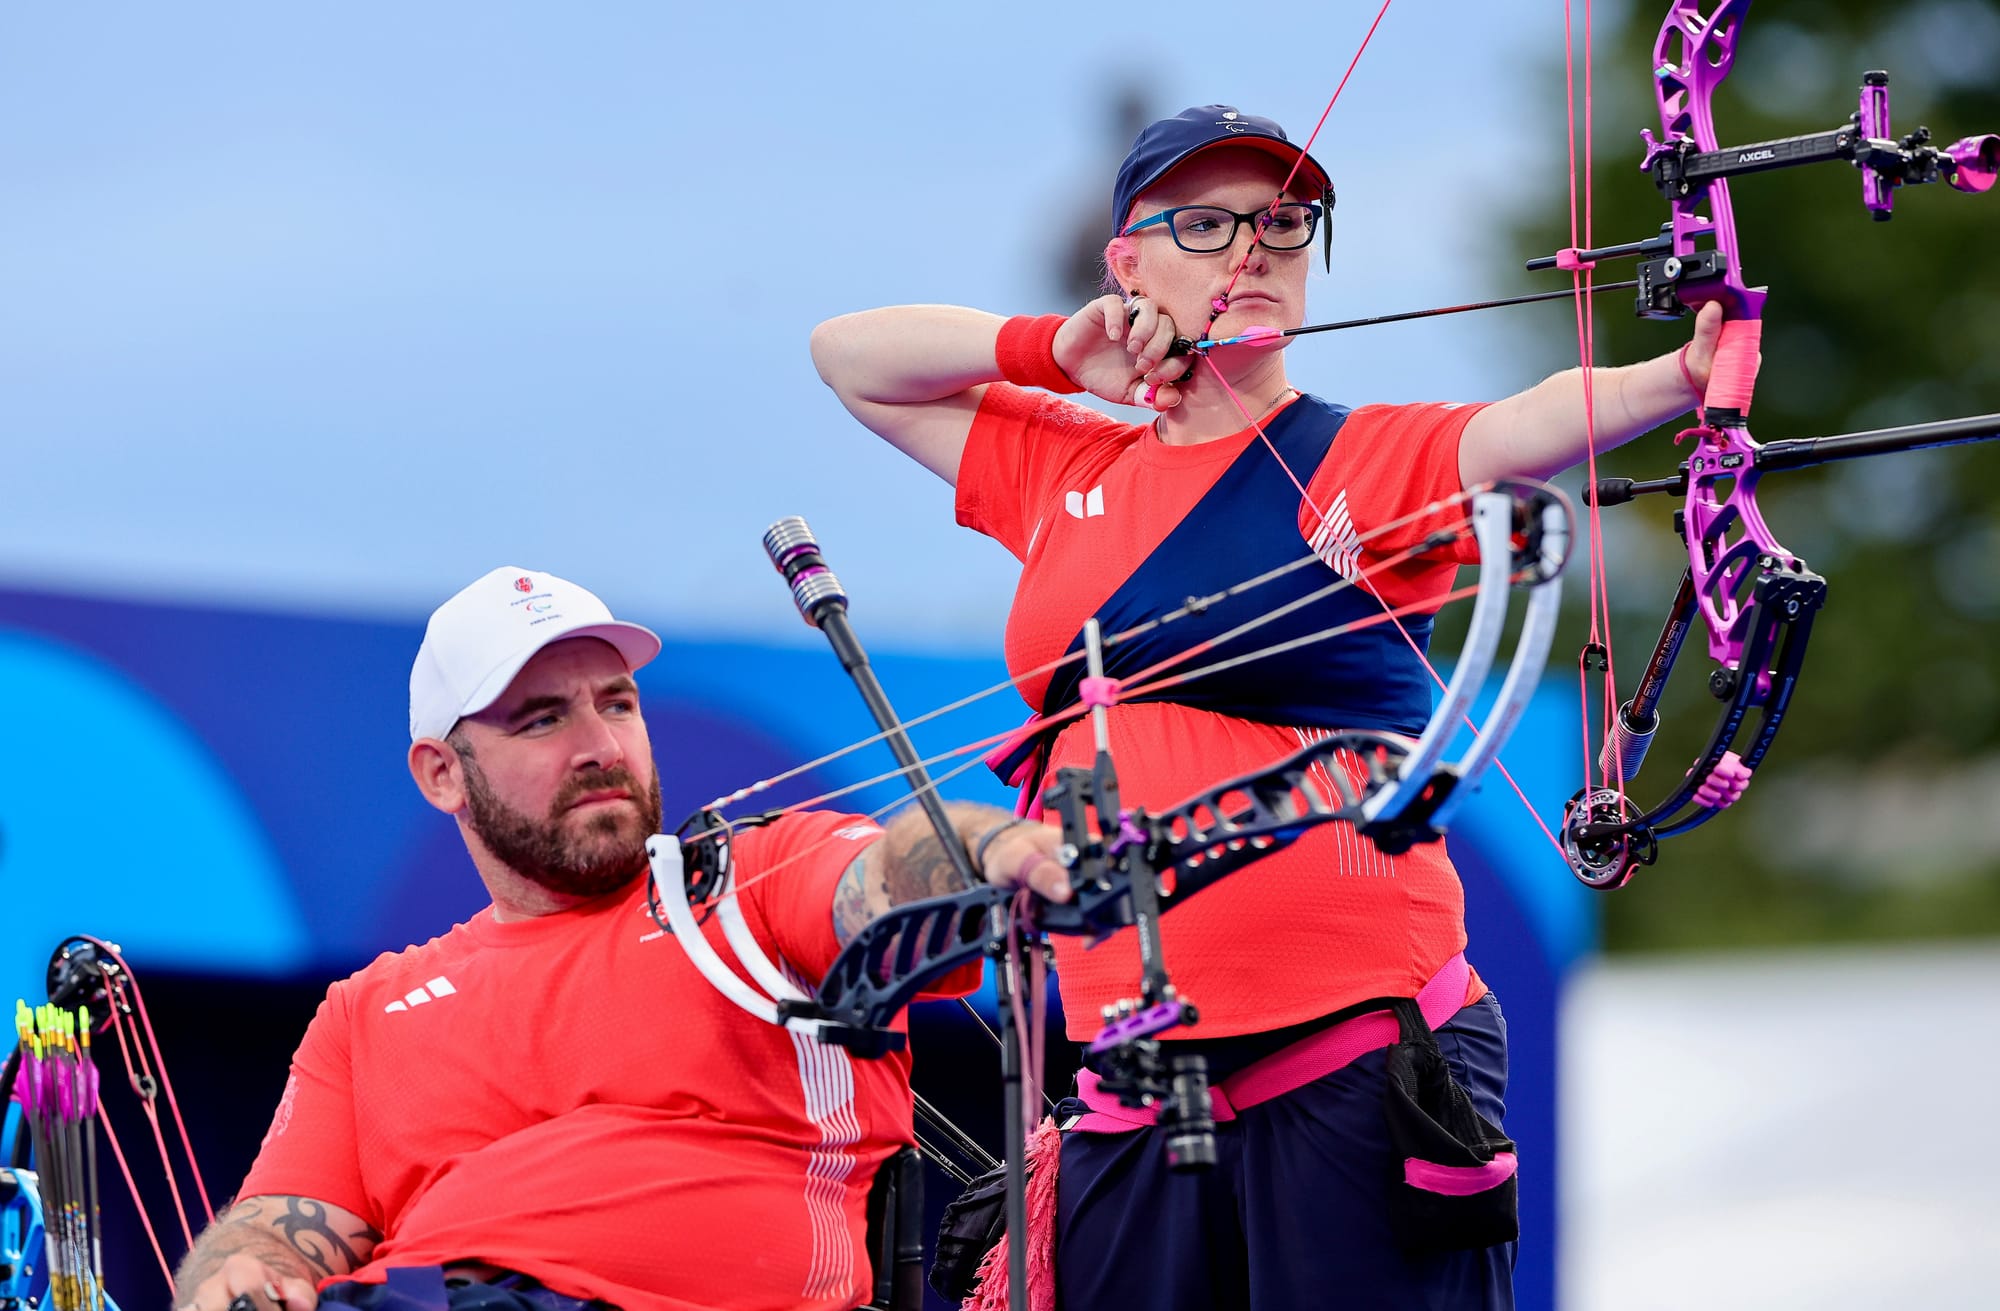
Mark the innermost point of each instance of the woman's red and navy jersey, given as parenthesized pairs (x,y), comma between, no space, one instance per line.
(1109,521)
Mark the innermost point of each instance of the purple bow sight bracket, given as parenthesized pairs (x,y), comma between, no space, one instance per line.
(1130,1026)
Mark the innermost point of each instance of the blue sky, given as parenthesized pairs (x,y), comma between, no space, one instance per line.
(335,309)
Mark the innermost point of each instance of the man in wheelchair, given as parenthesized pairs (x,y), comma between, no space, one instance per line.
(547,1107)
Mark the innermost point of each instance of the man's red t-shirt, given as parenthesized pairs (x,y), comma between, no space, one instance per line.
(1099,513)
(565,1096)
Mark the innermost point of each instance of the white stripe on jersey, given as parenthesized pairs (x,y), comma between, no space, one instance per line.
(1335,540)
(826,1076)
(1357,856)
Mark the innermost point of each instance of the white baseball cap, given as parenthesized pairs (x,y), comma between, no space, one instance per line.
(476,642)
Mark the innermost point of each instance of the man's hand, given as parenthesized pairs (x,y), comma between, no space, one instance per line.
(1022,853)
(272,1250)
(908,863)
(244,1283)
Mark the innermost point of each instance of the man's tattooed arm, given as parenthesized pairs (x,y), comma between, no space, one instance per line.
(297,1236)
(850,899)
(908,862)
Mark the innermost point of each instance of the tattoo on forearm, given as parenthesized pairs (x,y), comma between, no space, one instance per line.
(306,1227)
(919,870)
(238,1228)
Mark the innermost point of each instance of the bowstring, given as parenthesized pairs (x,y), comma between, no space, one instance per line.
(133,1027)
(142,1028)
(1583,238)
(1065,716)
(1395,614)
(1257,237)
(1581,286)
(1192,606)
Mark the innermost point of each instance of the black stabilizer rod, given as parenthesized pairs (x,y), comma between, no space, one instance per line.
(1803,452)
(1799,452)
(823,603)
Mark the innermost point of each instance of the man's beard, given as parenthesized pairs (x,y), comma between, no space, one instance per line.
(606,856)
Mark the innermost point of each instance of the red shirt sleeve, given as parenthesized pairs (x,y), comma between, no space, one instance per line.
(310,1149)
(815,849)
(1368,496)
(1024,446)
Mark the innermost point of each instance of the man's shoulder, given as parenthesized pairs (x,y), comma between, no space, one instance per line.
(413,976)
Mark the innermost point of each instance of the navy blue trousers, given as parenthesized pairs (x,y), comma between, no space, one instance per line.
(1294,1213)
(427,1289)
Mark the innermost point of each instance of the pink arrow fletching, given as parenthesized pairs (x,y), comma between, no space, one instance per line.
(1256,338)
(28,1090)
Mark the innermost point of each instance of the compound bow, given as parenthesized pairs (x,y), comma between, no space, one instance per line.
(1755,598)
(1126,866)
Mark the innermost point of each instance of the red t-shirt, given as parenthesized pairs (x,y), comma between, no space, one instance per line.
(1083,500)
(565,1096)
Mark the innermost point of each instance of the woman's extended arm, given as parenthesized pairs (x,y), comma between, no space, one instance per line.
(1540,431)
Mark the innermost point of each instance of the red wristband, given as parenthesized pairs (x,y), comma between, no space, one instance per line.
(1025,352)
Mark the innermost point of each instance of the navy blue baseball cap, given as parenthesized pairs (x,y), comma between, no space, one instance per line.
(1165,145)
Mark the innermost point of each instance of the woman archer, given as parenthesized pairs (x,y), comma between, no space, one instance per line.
(1126,520)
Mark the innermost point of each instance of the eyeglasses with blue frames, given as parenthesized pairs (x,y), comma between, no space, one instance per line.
(1205,229)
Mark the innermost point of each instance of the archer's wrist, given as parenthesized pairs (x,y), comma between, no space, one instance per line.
(984,843)
(1693,389)
(1025,353)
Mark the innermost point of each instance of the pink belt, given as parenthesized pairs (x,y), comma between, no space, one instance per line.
(1332,1048)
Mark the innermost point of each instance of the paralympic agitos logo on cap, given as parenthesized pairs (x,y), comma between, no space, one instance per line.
(524,584)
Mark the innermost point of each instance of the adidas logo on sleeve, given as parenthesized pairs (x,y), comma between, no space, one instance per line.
(429,992)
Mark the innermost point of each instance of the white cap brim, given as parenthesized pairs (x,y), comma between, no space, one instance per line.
(637,643)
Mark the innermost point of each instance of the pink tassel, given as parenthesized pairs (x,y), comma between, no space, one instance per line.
(990,1293)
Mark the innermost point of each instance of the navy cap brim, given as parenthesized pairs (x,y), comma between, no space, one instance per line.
(1309,180)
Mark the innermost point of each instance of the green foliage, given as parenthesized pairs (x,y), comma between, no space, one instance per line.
(1868,325)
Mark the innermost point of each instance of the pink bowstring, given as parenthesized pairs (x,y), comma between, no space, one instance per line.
(1131,687)
(1582,236)
(1221,302)
(132,1186)
(144,1022)
(1393,614)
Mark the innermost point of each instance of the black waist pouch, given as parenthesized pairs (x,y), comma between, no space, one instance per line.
(1454,1184)
(973,1222)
